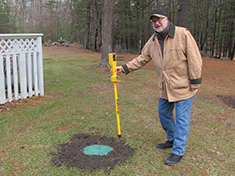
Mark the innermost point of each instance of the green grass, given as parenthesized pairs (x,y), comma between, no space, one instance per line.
(79,99)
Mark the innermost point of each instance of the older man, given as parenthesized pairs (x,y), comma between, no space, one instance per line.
(178,63)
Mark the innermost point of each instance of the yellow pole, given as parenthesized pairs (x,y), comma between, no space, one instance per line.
(117,110)
(115,79)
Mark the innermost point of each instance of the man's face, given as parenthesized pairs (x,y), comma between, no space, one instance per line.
(159,24)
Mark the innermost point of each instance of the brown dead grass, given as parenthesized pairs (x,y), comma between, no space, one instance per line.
(216,74)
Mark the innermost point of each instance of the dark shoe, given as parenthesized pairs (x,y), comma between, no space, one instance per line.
(166,145)
(173,160)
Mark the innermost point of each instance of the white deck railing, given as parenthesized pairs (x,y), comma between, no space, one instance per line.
(21,66)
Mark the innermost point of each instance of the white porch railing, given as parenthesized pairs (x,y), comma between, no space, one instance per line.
(21,66)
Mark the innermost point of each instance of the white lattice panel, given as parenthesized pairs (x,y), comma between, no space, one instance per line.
(21,70)
(18,45)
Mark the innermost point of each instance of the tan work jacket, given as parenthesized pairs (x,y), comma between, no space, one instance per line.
(178,67)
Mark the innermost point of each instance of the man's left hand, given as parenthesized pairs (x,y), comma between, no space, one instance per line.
(194,86)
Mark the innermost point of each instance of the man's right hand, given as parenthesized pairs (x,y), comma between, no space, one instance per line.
(119,69)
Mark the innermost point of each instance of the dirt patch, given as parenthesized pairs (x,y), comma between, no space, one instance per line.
(29,101)
(71,153)
(71,46)
(228,100)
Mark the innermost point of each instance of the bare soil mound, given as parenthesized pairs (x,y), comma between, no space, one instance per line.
(228,100)
(71,153)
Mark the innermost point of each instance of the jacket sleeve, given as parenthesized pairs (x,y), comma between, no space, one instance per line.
(194,59)
(137,62)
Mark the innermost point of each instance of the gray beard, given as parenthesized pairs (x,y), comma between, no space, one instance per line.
(162,32)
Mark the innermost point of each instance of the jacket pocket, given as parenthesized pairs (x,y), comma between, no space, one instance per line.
(178,82)
(176,53)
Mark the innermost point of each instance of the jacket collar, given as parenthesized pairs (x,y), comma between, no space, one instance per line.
(171,32)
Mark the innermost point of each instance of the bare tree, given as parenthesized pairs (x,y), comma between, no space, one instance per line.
(107,30)
(183,13)
(211,22)
(87,25)
(96,26)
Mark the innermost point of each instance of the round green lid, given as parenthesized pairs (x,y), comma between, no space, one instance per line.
(97,150)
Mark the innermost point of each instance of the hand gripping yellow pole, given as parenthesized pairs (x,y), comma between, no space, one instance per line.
(115,79)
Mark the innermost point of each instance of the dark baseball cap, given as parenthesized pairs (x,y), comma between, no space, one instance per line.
(158,13)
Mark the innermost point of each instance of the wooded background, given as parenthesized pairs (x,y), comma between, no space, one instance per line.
(212,22)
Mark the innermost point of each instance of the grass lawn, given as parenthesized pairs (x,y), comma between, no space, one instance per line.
(79,98)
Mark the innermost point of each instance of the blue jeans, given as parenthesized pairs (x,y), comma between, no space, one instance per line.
(177,130)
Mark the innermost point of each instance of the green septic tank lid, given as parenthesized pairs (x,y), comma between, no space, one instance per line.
(97,150)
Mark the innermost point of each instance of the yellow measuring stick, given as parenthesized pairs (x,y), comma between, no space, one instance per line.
(115,79)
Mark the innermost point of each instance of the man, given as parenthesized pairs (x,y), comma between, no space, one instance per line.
(178,63)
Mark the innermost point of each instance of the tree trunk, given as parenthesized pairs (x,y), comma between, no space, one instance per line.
(214,32)
(72,23)
(231,40)
(205,40)
(233,51)
(183,13)
(87,27)
(96,26)
(107,30)
(72,31)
